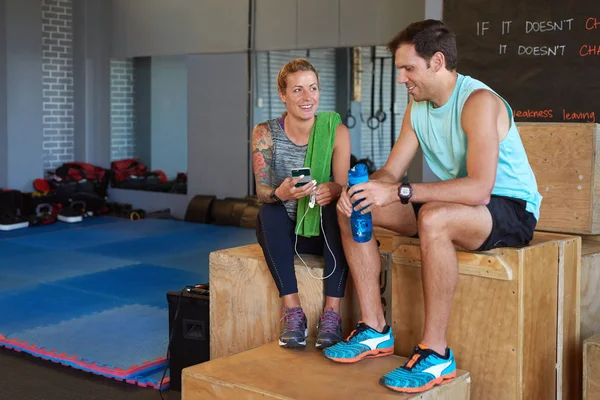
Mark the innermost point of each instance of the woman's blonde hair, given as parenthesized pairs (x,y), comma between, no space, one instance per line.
(297,65)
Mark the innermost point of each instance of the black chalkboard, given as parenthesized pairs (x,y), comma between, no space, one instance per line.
(541,56)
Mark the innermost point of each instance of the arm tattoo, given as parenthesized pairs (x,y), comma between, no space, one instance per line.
(262,156)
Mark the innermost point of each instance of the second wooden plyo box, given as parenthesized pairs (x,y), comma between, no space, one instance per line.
(564,158)
(515,316)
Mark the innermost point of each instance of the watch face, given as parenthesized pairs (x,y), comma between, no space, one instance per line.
(404,191)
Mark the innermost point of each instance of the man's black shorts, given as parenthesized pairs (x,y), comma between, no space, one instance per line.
(512,225)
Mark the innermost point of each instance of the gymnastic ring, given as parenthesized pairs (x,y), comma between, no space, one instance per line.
(380,115)
(348,124)
(373,123)
(133,215)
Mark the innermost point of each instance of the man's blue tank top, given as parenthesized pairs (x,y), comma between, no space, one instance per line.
(444,145)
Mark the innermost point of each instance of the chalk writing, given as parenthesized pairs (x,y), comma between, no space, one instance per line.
(482,27)
(586,116)
(506,27)
(589,50)
(579,116)
(592,23)
(539,56)
(548,26)
(542,114)
(558,50)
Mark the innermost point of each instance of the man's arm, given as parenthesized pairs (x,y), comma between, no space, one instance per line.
(480,117)
(341,156)
(402,153)
(262,156)
(382,188)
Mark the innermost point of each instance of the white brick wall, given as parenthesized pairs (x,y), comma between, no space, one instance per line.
(121,110)
(57,79)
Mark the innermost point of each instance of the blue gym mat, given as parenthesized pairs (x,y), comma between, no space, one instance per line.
(93,295)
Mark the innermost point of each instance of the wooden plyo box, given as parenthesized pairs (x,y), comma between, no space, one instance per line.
(271,372)
(591,368)
(245,308)
(385,238)
(515,317)
(590,286)
(564,158)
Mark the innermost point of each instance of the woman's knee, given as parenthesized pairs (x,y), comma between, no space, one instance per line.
(341,221)
(329,213)
(332,217)
(267,215)
(270,211)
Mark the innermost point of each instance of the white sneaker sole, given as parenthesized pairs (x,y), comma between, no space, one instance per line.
(294,343)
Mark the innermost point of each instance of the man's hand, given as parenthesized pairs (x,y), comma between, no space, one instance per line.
(372,195)
(327,192)
(344,205)
(288,190)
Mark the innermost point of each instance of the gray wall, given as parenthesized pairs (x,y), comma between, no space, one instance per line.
(142,100)
(218,129)
(154,27)
(433,10)
(217,123)
(91,70)
(3,102)
(21,156)
(331,23)
(169,132)
(159,27)
(218,146)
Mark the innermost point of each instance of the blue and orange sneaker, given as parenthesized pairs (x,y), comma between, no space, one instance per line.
(363,342)
(422,371)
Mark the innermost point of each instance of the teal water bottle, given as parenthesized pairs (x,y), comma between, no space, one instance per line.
(361,224)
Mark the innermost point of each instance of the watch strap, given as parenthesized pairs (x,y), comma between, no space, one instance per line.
(275,197)
(404,198)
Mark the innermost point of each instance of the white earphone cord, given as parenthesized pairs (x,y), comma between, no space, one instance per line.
(326,242)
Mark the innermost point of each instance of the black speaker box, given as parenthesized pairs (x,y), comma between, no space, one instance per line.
(190,344)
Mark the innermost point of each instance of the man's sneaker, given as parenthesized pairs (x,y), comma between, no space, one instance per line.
(294,329)
(422,371)
(363,342)
(329,330)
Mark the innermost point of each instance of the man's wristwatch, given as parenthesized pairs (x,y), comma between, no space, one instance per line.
(275,198)
(405,192)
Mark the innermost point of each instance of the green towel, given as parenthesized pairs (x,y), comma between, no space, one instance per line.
(318,158)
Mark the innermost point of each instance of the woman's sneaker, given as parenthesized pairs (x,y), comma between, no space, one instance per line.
(329,330)
(363,342)
(294,329)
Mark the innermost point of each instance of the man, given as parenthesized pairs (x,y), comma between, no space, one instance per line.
(487,198)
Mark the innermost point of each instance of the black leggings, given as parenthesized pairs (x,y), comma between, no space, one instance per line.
(275,234)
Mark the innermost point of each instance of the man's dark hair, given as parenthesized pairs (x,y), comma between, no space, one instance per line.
(429,37)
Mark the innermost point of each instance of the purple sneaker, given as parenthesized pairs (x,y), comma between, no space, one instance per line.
(294,329)
(329,330)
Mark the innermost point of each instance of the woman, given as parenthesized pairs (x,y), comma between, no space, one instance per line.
(286,224)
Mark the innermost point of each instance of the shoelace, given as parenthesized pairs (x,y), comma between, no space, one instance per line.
(419,355)
(293,319)
(329,322)
(360,327)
